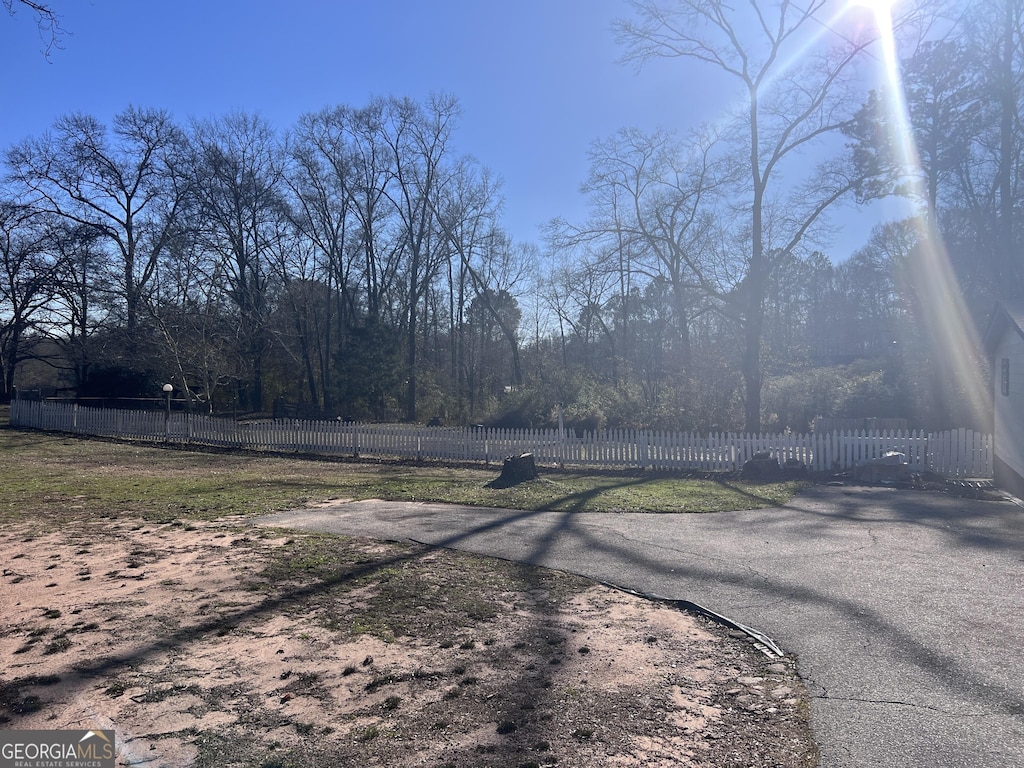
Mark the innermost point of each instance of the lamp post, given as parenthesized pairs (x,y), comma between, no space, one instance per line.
(168,389)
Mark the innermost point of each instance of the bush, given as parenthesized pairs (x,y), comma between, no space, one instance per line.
(859,390)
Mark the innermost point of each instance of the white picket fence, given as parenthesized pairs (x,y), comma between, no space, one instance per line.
(958,453)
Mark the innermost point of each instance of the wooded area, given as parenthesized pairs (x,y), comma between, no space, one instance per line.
(354,264)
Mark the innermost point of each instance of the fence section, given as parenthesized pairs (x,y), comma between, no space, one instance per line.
(959,453)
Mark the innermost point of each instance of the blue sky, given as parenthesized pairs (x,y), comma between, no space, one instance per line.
(538,80)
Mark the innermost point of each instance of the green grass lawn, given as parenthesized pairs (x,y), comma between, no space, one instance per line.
(56,477)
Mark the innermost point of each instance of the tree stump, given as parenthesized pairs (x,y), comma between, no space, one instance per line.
(515,470)
(890,468)
(762,468)
(794,469)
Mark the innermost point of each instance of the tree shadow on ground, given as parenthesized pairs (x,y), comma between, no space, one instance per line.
(969,525)
(948,671)
(526,694)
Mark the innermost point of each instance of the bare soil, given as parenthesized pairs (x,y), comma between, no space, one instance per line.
(218,644)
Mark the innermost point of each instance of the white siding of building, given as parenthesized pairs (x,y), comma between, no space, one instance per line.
(1009,408)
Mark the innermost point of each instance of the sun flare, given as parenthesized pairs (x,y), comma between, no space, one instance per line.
(941,299)
(881,8)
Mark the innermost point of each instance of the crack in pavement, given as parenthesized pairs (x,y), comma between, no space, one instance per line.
(679,555)
(896,702)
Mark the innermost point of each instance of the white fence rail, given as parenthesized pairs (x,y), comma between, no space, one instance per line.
(958,453)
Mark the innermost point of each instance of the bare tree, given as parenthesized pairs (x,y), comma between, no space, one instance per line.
(467,214)
(50,30)
(81,311)
(417,137)
(1006,65)
(28,283)
(651,199)
(579,287)
(126,183)
(238,182)
(991,176)
(321,177)
(192,314)
(794,95)
(372,176)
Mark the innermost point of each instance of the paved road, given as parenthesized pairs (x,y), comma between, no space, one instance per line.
(904,609)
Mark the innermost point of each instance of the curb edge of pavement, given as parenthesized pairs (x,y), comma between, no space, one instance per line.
(762,642)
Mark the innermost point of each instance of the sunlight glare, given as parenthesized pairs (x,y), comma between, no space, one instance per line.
(951,329)
(880,11)
(881,8)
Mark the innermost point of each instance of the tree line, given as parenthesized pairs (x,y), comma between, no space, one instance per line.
(356,263)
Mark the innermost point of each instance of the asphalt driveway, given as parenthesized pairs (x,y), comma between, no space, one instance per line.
(904,608)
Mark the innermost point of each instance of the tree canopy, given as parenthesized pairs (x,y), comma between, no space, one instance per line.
(355,263)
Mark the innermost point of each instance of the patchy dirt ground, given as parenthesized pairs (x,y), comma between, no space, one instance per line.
(222,645)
